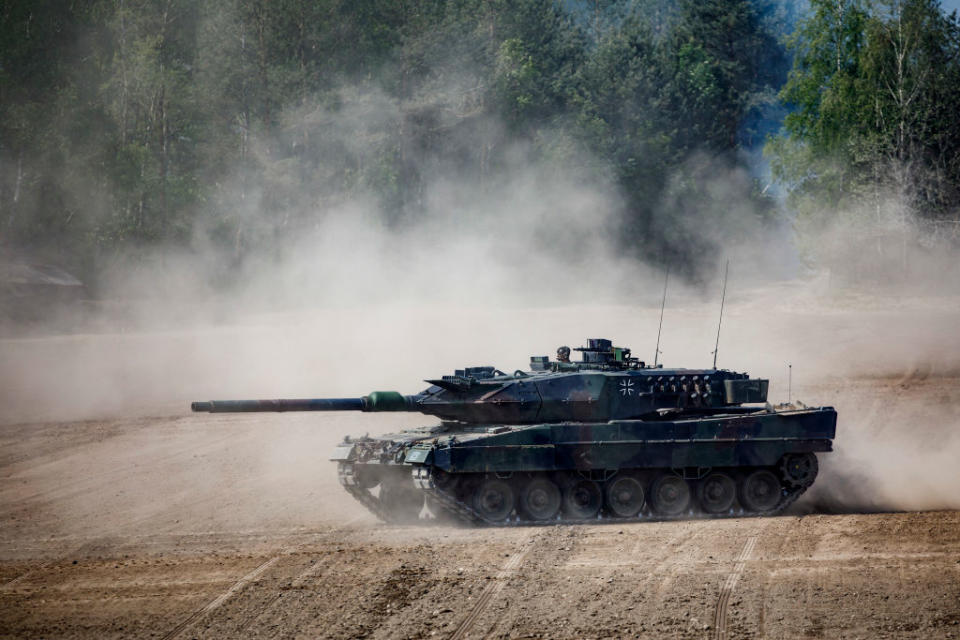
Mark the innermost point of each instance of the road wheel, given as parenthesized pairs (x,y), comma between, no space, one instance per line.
(716,493)
(493,499)
(624,496)
(670,495)
(582,499)
(760,491)
(540,499)
(799,469)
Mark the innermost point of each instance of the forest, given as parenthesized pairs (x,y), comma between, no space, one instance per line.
(127,125)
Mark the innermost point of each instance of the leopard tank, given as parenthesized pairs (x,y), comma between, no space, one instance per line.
(605,438)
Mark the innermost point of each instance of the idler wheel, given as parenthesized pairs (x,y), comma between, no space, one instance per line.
(582,499)
(540,499)
(624,496)
(356,475)
(493,499)
(670,495)
(799,469)
(716,493)
(760,491)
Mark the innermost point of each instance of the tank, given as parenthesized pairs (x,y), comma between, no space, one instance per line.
(605,438)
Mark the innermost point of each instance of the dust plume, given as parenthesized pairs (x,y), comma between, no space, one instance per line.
(897,441)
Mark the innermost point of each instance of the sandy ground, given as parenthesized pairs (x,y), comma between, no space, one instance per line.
(234,527)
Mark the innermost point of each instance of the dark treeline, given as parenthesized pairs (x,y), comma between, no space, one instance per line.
(126,125)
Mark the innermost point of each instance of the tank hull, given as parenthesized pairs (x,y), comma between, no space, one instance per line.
(740,462)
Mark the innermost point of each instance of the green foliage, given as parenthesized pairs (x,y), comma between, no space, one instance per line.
(128,124)
(658,109)
(724,59)
(870,91)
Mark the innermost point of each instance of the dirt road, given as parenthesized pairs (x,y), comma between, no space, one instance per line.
(234,527)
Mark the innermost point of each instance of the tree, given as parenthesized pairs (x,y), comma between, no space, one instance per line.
(670,116)
(724,60)
(150,94)
(868,91)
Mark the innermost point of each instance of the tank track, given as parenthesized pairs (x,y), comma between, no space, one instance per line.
(349,482)
(465,513)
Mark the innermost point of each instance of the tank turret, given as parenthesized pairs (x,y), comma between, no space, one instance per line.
(607,384)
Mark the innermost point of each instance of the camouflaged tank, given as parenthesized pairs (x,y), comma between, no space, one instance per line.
(606,438)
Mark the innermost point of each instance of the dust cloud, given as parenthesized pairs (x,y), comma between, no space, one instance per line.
(897,441)
(496,274)
(891,369)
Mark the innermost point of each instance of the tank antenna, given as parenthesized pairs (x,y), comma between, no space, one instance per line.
(789,382)
(656,352)
(723,299)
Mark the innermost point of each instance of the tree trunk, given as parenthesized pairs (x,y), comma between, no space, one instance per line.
(122,53)
(163,125)
(11,219)
(841,14)
(164,151)
(262,58)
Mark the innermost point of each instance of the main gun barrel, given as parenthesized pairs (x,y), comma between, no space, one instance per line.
(376,401)
(308,404)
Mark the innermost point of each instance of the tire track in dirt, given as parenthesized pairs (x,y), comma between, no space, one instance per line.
(664,568)
(668,569)
(720,617)
(12,583)
(297,583)
(491,591)
(301,606)
(223,597)
(269,603)
(87,547)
